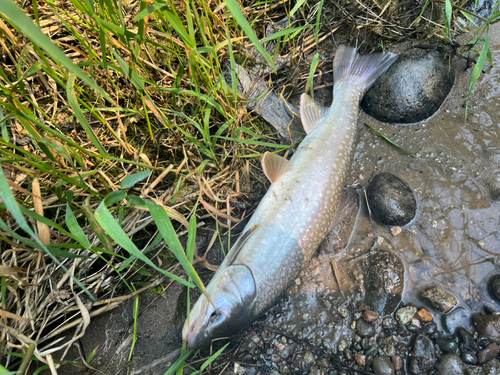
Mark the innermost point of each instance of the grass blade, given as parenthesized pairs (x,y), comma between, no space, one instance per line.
(133,179)
(235,9)
(73,103)
(478,69)
(391,142)
(19,19)
(114,230)
(167,231)
(310,79)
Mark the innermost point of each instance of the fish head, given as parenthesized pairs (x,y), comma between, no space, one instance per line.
(232,293)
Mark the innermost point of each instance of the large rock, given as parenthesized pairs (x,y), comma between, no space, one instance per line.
(423,355)
(412,89)
(391,200)
(488,325)
(384,282)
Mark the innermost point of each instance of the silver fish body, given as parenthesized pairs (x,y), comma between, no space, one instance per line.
(296,213)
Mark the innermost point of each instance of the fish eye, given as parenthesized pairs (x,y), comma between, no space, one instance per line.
(213,315)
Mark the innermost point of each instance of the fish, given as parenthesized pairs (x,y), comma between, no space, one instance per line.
(297,211)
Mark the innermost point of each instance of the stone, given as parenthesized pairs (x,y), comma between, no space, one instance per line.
(447,344)
(398,362)
(383,281)
(424,316)
(469,358)
(309,358)
(405,315)
(412,89)
(423,355)
(491,368)
(490,352)
(360,359)
(383,366)
(493,286)
(451,364)
(364,329)
(465,337)
(488,325)
(369,316)
(391,200)
(389,323)
(437,298)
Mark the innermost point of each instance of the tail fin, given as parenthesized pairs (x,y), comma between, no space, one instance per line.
(361,70)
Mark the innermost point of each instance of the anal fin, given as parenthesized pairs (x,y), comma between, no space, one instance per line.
(275,166)
(311,112)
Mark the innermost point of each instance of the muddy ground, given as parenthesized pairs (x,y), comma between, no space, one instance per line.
(453,243)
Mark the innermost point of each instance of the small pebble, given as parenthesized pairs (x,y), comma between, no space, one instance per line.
(488,353)
(344,313)
(396,231)
(494,286)
(364,329)
(405,314)
(383,366)
(309,358)
(275,357)
(447,344)
(369,316)
(491,368)
(343,345)
(389,323)
(389,350)
(274,372)
(469,358)
(398,362)
(439,299)
(372,351)
(323,362)
(424,316)
(348,354)
(467,340)
(360,359)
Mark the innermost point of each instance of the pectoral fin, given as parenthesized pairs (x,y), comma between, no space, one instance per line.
(275,166)
(311,112)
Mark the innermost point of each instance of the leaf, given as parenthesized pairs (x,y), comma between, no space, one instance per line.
(391,142)
(478,69)
(310,79)
(75,228)
(114,197)
(298,4)
(113,229)
(167,231)
(469,17)
(129,72)
(133,179)
(13,14)
(73,103)
(285,32)
(150,9)
(448,11)
(235,9)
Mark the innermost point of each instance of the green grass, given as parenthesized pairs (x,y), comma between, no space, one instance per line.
(112,119)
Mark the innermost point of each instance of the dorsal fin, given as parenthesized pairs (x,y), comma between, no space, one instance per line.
(275,166)
(311,112)
(239,244)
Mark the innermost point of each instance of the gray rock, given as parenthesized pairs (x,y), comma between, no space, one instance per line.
(383,366)
(494,286)
(405,315)
(364,329)
(488,325)
(451,364)
(491,174)
(469,358)
(412,89)
(466,339)
(437,298)
(391,200)
(384,282)
(423,355)
(490,352)
(491,368)
(447,344)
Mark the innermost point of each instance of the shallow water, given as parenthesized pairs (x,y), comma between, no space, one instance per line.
(454,241)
